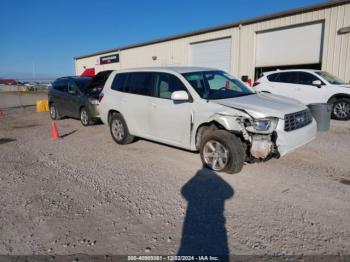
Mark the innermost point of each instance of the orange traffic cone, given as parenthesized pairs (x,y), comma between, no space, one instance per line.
(2,113)
(54,131)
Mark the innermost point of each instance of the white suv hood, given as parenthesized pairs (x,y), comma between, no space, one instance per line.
(261,105)
(338,89)
(346,86)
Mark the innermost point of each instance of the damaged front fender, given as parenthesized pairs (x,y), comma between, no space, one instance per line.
(232,123)
(261,146)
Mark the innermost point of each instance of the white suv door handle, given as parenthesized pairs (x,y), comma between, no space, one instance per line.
(154,105)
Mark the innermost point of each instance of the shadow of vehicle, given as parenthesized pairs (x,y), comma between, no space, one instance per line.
(204,231)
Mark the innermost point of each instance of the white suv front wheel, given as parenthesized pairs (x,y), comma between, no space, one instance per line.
(222,151)
(341,109)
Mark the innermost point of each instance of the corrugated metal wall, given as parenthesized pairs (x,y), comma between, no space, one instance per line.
(336,48)
(335,54)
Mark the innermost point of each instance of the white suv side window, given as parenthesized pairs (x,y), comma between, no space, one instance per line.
(166,84)
(301,78)
(288,78)
(306,78)
(140,83)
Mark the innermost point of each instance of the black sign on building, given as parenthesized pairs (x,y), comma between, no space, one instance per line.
(109,59)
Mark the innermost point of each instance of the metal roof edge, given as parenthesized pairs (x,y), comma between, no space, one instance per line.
(315,7)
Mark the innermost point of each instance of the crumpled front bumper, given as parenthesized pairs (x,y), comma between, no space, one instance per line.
(289,141)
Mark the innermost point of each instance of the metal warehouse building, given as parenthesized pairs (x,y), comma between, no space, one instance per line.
(316,37)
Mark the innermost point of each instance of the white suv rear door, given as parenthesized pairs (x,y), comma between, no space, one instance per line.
(135,102)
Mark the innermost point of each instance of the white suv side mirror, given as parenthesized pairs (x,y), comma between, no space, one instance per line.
(179,96)
(317,83)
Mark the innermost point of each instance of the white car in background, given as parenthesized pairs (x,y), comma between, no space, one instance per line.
(203,109)
(309,87)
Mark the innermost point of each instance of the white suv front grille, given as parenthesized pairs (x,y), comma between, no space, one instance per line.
(297,120)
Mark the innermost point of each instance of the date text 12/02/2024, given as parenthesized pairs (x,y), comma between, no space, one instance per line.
(173,258)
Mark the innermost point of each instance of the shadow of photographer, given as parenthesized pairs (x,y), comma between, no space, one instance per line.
(204,231)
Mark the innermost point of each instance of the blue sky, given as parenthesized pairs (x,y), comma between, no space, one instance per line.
(49,33)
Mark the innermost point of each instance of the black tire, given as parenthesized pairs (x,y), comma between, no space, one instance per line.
(54,114)
(234,146)
(119,130)
(341,109)
(85,117)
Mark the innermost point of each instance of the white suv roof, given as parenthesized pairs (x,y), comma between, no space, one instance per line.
(292,70)
(170,69)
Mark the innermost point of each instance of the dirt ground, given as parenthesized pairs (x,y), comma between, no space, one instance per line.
(86,194)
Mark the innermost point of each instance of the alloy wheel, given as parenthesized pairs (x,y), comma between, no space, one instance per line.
(84,117)
(53,112)
(342,110)
(215,155)
(118,129)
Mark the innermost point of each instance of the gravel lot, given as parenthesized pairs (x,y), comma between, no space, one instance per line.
(86,194)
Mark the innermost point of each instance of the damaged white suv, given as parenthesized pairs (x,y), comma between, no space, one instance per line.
(204,109)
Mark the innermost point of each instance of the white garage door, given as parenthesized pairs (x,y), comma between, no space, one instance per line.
(216,54)
(291,46)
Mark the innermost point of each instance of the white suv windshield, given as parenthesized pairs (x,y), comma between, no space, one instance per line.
(330,78)
(216,85)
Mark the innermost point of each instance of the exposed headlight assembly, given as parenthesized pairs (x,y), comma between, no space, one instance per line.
(262,125)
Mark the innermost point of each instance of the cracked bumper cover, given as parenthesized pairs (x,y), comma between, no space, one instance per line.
(264,146)
(289,141)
